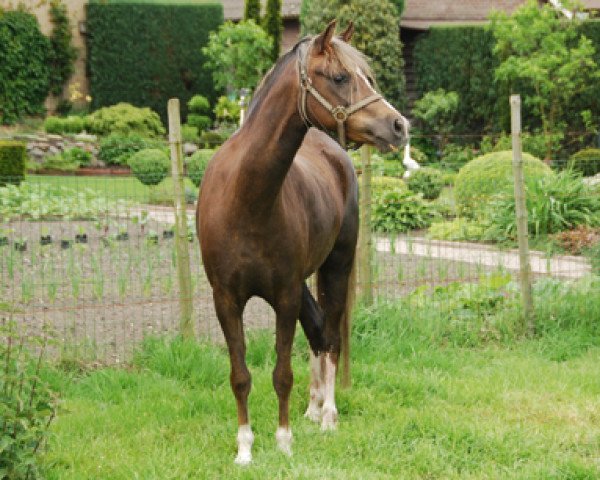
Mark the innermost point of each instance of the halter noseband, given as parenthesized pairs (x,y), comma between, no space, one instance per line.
(339,112)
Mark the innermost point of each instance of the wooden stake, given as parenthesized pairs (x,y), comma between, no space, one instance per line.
(365,240)
(181,234)
(521,213)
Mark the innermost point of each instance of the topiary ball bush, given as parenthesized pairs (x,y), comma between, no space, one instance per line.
(125,119)
(150,166)
(13,159)
(427,181)
(491,174)
(586,161)
(201,122)
(196,165)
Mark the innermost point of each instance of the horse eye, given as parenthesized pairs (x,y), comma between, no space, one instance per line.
(340,78)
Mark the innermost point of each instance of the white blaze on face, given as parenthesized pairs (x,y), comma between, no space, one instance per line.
(405,122)
(329,413)
(245,439)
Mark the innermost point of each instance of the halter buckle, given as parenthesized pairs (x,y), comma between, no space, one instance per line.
(340,113)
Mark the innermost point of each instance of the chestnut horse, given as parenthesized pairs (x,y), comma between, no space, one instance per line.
(278,202)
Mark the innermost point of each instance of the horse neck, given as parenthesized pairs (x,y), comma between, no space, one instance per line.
(269,139)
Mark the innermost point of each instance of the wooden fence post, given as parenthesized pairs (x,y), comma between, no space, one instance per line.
(181,234)
(365,240)
(521,212)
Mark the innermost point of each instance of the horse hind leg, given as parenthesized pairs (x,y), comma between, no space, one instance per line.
(311,319)
(334,285)
(229,313)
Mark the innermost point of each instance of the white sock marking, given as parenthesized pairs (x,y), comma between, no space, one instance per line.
(245,439)
(313,412)
(283,435)
(329,413)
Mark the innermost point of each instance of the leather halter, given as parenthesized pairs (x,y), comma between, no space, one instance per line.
(340,113)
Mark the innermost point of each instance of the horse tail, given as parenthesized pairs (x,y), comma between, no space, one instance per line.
(346,326)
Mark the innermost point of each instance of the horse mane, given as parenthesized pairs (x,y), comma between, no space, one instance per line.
(345,54)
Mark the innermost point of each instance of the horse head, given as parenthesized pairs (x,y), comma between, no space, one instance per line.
(337,93)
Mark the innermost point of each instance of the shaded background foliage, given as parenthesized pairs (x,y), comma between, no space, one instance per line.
(377,34)
(24,71)
(169,39)
(461,59)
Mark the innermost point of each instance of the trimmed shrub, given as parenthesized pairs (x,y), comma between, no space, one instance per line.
(189,133)
(117,149)
(13,159)
(196,165)
(198,108)
(490,174)
(60,126)
(427,181)
(163,41)
(24,71)
(150,166)
(125,119)
(586,161)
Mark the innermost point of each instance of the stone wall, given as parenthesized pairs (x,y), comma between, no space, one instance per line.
(40,146)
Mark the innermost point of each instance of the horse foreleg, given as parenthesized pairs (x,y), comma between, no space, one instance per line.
(230,318)
(283,378)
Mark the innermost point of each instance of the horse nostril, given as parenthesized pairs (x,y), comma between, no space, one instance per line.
(398,126)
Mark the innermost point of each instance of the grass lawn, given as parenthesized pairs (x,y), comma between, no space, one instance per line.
(424,404)
(115,187)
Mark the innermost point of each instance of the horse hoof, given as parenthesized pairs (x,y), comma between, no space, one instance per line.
(284,440)
(329,419)
(243,459)
(313,413)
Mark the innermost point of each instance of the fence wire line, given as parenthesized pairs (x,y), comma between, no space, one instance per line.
(101,297)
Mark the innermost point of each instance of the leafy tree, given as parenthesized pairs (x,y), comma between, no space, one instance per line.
(437,110)
(238,55)
(376,35)
(545,52)
(252,10)
(63,53)
(273,25)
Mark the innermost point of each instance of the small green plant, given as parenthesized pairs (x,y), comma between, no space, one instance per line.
(454,157)
(227,110)
(64,125)
(27,408)
(554,204)
(427,181)
(196,165)
(150,166)
(457,229)
(400,211)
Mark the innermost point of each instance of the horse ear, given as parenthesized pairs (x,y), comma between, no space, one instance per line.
(347,35)
(324,39)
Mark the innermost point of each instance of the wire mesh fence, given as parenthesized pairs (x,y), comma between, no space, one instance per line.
(92,259)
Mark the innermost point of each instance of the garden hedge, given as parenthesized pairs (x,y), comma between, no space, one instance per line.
(491,174)
(13,159)
(24,71)
(144,53)
(461,59)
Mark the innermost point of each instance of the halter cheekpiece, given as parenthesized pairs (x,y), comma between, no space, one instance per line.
(340,113)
